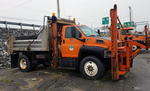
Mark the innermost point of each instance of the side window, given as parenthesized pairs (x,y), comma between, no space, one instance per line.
(70,31)
(77,33)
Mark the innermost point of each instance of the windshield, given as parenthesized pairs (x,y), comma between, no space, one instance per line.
(130,31)
(88,31)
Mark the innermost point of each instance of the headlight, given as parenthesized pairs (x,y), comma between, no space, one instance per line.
(99,41)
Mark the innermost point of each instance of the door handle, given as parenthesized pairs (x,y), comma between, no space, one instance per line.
(63,41)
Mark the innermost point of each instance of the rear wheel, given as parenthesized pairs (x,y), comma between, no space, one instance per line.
(24,64)
(91,68)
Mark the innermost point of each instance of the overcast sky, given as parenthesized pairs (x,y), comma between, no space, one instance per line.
(88,12)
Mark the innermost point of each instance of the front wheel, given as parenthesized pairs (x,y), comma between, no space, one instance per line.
(91,68)
(134,47)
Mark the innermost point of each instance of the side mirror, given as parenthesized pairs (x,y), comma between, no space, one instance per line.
(83,40)
(98,31)
(80,35)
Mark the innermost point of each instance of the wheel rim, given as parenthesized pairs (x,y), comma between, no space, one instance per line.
(134,47)
(90,68)
(23,63)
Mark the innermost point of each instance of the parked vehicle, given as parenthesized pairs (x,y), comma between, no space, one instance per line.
(62,43)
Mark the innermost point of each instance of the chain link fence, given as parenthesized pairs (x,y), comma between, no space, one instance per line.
(4,56)
(4,35)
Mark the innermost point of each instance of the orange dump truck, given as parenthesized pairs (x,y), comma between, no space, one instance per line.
(62,43)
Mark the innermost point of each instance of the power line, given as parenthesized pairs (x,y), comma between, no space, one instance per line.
(13,18)
(17,5)
(23,3)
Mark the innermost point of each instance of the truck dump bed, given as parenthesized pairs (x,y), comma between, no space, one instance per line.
(39,44)
(43,42)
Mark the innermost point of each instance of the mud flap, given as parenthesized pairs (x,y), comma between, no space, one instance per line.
(14,60)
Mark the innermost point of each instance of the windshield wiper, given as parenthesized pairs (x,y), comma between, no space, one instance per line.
(92,35)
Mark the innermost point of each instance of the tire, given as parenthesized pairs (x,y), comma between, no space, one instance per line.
(45,64)
(90,63)
(134,48)
(24,64)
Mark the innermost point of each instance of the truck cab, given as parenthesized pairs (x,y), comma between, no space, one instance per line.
(85,50)
(77,38)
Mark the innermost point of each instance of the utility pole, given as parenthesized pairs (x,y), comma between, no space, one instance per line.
(130,13)
(58,9)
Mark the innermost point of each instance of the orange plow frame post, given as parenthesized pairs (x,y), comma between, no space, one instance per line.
(121,56)
(147,40)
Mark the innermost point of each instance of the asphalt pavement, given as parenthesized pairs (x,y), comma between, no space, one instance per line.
(46,79)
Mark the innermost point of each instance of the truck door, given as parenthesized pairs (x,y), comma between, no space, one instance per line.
(70,45)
